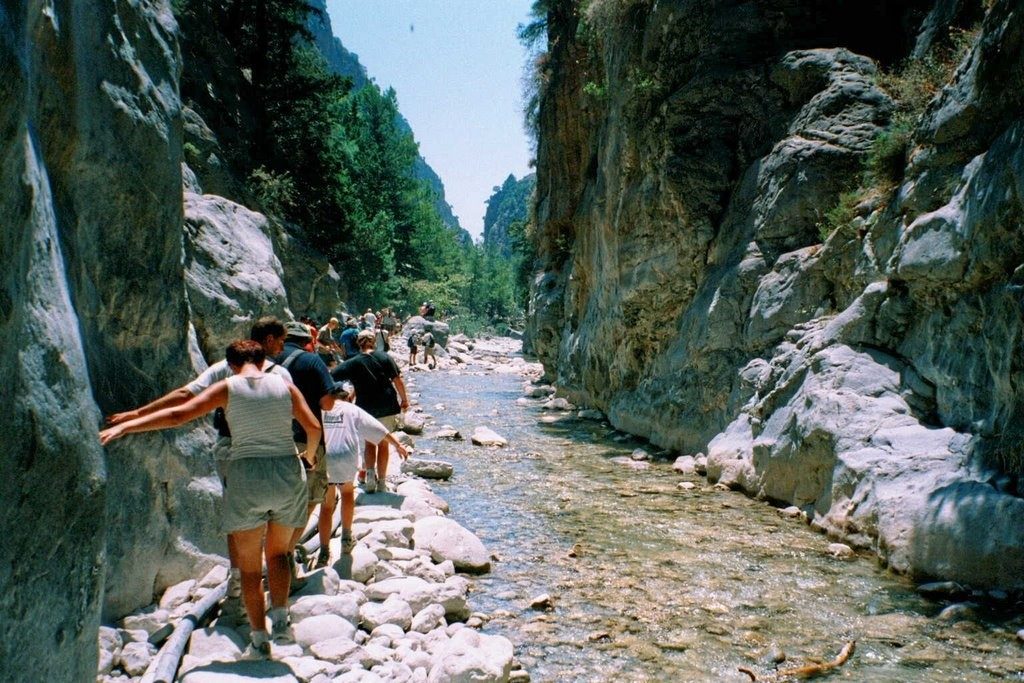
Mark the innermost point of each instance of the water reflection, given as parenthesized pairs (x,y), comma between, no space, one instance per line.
(655,583)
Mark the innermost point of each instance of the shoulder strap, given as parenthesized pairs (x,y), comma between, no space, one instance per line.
(291,357)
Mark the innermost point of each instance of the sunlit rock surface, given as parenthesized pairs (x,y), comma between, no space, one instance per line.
(688,157)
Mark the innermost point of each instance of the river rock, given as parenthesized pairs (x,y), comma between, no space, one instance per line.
(134,658)
(320,582)
(558,404)
(418,325)
(959,611)
(543,602)
(264,671)
(335,650)
(345,606)
(640,454)
(215,643)
(685,464)
(428,469)
(472,656)
(448,432)
(150,620)
(941,589)
(446,539)
(840,550)
(412,423)
(590,414)
(700,465)
(320,628)
(686,486)
(394,610)
(177,595)
(428,619)
(484,436)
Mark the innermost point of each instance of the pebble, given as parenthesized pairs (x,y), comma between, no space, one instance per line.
(544,602)
(940,589)
(776,654)
(791,512)
(840,550)
(957,612)
(640,454)
(686,486)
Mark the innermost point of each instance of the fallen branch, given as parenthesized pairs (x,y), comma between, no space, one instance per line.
(807,670)
(812,670)
(165,665)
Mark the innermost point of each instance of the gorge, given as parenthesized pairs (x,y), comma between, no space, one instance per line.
(757,236)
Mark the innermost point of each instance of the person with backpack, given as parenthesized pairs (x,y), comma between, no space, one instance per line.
(427,339)
(266,497)
(314,382)
(412,342)
(380,391)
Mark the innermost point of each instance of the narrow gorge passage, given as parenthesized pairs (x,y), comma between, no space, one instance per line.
(651,582)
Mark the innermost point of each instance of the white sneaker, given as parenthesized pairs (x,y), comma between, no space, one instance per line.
(280,626)
(259,646)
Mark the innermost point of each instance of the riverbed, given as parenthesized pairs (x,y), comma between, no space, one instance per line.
(652,582)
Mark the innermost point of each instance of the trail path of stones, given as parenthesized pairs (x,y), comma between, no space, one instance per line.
(395,609)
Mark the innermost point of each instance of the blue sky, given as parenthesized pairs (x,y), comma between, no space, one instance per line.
(457,68)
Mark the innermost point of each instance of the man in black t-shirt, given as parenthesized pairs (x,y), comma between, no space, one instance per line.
(380,391)
(313,380)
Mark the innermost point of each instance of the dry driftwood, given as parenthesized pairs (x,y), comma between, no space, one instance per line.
(165,664)
(807,670)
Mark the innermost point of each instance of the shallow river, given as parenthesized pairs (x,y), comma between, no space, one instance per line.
(654,583)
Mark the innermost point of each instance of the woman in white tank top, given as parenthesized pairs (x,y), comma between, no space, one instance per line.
(267,492)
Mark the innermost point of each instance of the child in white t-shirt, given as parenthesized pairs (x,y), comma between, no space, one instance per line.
(347,428)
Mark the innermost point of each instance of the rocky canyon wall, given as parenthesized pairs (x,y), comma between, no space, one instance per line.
(718,272)
(121,281)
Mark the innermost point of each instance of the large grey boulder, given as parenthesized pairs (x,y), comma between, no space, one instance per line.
(418,325)
(232,274)
(446,539)
(472,656)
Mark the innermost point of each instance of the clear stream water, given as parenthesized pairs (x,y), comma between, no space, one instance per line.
(654,583)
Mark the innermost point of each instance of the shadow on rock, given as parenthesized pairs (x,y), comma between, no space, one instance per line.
(388,499)
(262,670)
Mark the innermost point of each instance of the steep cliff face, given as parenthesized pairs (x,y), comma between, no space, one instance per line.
(510,203)
(690,158)
(91,305)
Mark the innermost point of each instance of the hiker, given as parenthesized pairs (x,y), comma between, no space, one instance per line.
(427,339)
(370,318)
(269,332)
(268,485)
(413,339)
(326,346)
(427,310)
(314,382)
(380,391)
(348,338)
(346,428)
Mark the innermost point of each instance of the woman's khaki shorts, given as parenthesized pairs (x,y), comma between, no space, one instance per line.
(264,490)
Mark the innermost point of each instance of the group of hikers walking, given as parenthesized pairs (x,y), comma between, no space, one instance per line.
(301,417)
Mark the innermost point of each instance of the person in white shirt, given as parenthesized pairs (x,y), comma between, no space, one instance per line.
(346,428)
(268,332)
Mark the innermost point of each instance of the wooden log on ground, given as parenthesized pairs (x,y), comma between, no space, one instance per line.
(165,664)
(807,670)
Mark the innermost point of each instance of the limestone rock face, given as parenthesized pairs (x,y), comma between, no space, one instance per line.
(871,375)
(232,274)
(90,217)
